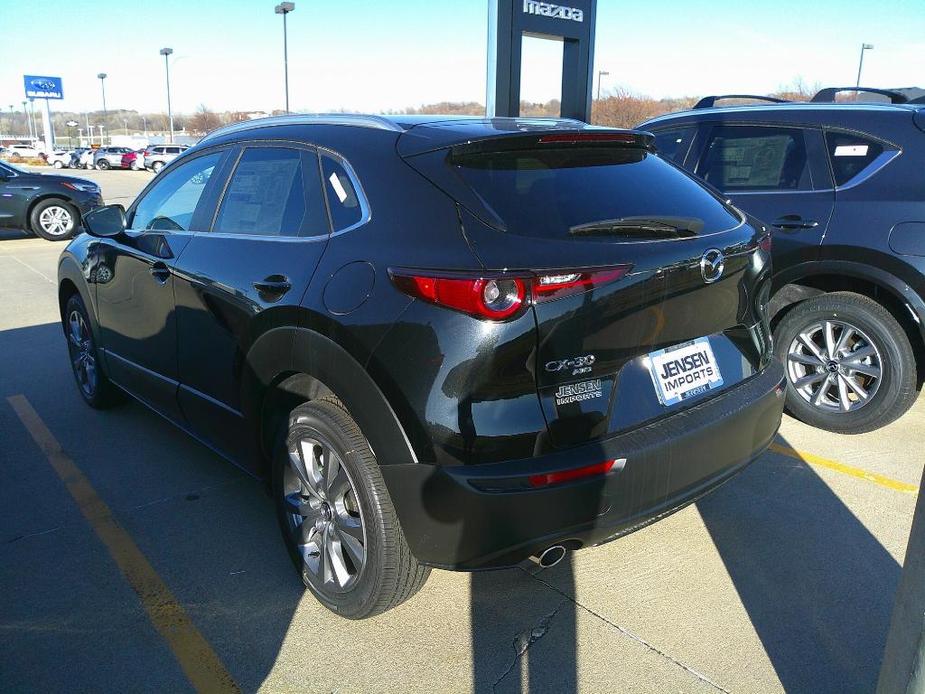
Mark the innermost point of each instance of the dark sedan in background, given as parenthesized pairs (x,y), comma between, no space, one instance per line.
(48,205)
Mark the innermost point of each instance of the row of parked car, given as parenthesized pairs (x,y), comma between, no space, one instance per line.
(153,158)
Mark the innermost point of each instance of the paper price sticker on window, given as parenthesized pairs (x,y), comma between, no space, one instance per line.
(851,151)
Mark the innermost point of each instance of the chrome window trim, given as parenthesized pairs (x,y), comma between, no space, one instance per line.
(365,212)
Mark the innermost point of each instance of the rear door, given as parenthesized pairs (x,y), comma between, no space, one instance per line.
(780,175)
(244,277)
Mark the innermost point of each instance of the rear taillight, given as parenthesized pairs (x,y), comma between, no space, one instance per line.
(501,296)
(764,243)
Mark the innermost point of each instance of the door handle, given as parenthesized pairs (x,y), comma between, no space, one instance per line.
(160,272)
(794,222)
(273,287)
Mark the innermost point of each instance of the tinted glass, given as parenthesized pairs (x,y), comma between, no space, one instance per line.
(850,155)
(343,198)
(170,204)
(273,192)
(545,193)
(673,144)
(756,158)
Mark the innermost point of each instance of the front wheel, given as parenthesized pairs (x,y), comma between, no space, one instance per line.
(157,166)
(337,518)
(102,165)
(54,220)
(850,366)
(58,164)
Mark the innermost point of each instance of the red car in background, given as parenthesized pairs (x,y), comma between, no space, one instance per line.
(134,160)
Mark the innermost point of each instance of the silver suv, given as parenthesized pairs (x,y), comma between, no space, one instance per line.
(109,157)
(158,156)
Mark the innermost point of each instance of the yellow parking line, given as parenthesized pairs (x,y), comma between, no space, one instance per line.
(819,461)
(199,662)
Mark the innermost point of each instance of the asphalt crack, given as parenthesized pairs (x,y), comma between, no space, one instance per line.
(626,632)
(525,639)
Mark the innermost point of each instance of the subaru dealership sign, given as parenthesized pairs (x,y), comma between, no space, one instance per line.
(39,87)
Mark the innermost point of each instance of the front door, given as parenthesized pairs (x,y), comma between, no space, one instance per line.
(134,281)
(244,278)
(779,175)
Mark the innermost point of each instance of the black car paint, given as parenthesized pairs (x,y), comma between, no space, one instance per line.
(438,393)
(862,230)
(22,190)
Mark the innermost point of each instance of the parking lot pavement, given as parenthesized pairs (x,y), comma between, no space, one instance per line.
(132,558)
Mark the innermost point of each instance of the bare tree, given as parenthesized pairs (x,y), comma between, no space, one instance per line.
(204,120)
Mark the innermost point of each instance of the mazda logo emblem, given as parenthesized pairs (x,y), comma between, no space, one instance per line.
(712,264)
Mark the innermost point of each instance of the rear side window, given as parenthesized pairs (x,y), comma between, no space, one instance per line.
(673,144)
(344,196)
(554,192)
(273,192)
(850,155)
(740,158)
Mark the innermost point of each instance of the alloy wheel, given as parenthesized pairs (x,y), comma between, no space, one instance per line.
(55,220)
(834,366)
(325,519)
(83,359)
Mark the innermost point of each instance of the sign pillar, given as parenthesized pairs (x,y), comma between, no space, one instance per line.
(46,127)
(572,23)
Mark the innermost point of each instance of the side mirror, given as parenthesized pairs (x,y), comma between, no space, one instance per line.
(105,222)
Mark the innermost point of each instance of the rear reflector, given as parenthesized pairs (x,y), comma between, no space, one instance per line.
(574,474)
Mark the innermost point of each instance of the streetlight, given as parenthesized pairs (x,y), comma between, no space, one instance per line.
(102,78)
(285,8)
(600,74)
(28,120)
(864,47)
(166,52)
(145,121)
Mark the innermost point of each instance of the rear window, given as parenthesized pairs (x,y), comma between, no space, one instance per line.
(850,155)
(548,193)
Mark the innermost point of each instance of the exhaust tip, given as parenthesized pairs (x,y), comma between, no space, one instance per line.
(550,556)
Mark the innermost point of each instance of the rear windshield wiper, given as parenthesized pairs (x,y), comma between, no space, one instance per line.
(641,227)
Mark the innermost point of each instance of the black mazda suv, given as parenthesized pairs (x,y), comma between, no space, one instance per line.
(446,342)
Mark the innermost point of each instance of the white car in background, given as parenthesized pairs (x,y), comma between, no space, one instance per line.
(61,159)
(85,161)
(20,151)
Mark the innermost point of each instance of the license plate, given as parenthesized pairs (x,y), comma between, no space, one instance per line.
(683,371)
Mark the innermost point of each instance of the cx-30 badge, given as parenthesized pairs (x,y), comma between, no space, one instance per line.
(578,365)
(712,264)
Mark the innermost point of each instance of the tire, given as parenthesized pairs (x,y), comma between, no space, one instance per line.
(351,578)
(95,388)
(103,165)
(157,166)
(872,379)
(58,164)
(54,219)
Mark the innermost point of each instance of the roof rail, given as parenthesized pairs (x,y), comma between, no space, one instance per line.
(710,101)
(356,119)
(827,95)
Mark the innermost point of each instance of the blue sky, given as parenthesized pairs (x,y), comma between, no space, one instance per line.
(371,56)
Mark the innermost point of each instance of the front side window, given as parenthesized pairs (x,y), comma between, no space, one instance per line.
(172,202)
(343,196)
(850,155)
(749,158)
(273,191)
(673,144)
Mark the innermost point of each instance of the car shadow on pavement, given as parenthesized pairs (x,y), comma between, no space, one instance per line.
(15,235)
(817,585)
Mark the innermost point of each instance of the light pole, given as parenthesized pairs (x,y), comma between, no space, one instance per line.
(28,121)
(166,53)
(145,122)
(12,126)
(864,47)
(600,73)
(102,78)
(285,8)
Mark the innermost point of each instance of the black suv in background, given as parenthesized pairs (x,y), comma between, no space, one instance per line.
(448,342)
(842,187)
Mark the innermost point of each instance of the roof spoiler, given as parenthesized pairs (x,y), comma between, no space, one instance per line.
(827,95)
(638,139)
(710,101)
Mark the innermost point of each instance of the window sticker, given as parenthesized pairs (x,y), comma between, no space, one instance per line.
(851,151)
(338,187)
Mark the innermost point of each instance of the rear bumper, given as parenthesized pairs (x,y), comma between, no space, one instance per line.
(486,516)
